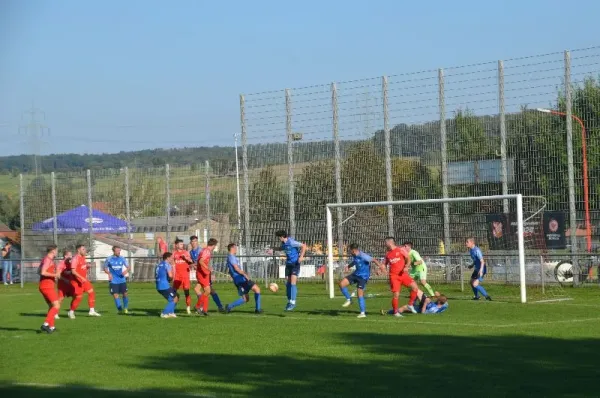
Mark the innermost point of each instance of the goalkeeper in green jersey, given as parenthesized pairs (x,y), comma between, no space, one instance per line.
(418,268)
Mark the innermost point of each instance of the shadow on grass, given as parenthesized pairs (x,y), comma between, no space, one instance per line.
(381,365)
(386,365)
(8,329)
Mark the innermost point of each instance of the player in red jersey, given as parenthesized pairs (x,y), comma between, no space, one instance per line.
(48,274)
(162,247)
(64,280)
(203,275)
(80,283)
(397,258)
(182,272)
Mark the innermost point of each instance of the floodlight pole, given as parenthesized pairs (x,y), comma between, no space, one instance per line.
(586,189)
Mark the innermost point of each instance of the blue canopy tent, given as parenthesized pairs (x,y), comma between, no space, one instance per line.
(76,221)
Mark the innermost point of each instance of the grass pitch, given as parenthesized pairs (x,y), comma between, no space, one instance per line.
(486,349)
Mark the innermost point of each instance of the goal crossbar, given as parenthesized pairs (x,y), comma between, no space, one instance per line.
(520,227)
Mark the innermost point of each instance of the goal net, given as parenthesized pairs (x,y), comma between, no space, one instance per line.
(508,229)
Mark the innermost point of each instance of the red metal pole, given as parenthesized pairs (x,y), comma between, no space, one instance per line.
(586,188)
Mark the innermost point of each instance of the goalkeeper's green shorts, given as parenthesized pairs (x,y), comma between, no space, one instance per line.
(419,272)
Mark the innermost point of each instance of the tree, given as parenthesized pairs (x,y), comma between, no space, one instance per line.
(363,174)
(467,139)
(315,187)
(9,211)
(268,201)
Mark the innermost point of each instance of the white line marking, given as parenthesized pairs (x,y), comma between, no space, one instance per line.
(97,388)
(551,300)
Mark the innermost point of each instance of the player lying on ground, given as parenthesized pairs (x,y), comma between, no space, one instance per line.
(182,272)
(116,268)
(163,273)
(80,283)
(362,272)
(418,268)
(479,271)
(204,277)
(242,282)
(294,253)
(195,255)
(48,275)
(427,305)
(397,258)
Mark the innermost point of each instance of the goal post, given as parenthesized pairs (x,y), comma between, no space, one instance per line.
(520,232)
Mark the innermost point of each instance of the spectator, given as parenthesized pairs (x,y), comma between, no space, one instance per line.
(7,268)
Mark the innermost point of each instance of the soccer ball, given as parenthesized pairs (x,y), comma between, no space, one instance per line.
(273,287)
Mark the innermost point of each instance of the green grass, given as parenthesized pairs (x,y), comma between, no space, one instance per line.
(486,349)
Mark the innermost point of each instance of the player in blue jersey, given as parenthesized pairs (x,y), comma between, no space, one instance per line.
(194,249)
(479,271)
(242,282)
(426,304)
(362,272)
(117,269)
(163,274)
(294,252)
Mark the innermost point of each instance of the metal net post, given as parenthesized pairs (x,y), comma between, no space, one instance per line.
(22,225)
(128,219)
(90,214)
(502,117)
(338,168)
(54,218)
(444,153)
(247,239)
(168,203)
(570,166)
(388,154)
(207,198)
(290,160)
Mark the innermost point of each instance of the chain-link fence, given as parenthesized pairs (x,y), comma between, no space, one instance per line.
(502,127)
(529,125)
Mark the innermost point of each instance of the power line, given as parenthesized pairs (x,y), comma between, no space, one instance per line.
(33,129)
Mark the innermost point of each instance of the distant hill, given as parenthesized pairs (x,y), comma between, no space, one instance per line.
(144,158)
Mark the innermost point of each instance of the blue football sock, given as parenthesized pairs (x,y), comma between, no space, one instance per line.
(288,290)
(126,302)
(346,293)
(118,303)
(361,304)
(293,293)
(216,299)
(237,303)
(481,290)
(257,300)
(475,291)
(169,308)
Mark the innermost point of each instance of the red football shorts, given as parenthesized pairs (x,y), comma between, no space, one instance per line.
(181,283)
(397,281)
(64,289)
(203,279)
(49,293)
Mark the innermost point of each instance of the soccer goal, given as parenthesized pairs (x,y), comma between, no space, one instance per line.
(508,229)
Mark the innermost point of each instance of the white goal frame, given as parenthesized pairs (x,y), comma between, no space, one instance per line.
(520,228)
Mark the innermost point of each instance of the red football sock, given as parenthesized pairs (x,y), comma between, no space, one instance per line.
(205,303)
(199,302)
(188,300)
(395,304)
(50,317)
(92,299)
(412,297)
(75,302)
